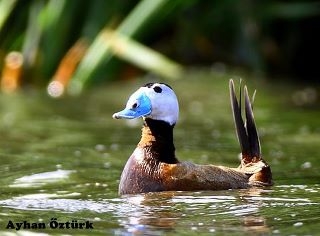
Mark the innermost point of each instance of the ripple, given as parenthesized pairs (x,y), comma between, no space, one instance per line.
(45,202)
(63,203)
(41,179)
(202,199)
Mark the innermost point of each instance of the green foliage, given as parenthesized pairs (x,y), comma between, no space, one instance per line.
(187,31)
(100,51)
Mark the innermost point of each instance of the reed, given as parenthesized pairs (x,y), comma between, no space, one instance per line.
(99,52)
(5,10)
(147,34)
(11,72)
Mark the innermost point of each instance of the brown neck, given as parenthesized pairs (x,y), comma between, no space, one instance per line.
(157,141)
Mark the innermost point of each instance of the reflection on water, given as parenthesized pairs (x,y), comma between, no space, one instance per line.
(231,211)
(63,159)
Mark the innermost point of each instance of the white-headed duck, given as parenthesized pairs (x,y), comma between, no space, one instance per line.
(154,167)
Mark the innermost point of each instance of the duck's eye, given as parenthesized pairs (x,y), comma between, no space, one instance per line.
(157,89)
(134,105)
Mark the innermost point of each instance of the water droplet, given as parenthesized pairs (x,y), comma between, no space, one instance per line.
(107,165)
(100,147)
(306,165)
(298,224)
(77,153)
(114,147)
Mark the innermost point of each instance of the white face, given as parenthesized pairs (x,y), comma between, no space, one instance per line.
(164,103)
(154,100)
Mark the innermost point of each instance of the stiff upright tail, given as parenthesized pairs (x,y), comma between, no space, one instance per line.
(251,161)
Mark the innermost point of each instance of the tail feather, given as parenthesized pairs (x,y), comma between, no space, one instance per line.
(246,131)
(251,127)
(239,124)
(252,162)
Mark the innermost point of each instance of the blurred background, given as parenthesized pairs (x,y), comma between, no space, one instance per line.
(63,157)
(69,45)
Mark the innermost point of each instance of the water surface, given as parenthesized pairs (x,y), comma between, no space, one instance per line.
(61,159)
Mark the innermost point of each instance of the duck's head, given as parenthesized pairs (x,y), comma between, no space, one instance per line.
(153,100)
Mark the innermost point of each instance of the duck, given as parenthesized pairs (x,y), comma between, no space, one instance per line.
(154,167)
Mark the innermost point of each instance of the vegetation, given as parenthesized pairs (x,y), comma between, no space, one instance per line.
(69,44)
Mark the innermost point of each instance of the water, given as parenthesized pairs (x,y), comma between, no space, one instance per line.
(61,161)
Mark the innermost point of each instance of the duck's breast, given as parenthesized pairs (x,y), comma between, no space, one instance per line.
(140,175)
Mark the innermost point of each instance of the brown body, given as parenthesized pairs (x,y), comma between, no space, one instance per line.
(153,166)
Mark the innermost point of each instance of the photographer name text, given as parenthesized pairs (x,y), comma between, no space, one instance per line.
(53,224)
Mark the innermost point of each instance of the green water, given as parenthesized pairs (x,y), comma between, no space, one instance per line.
(62,159)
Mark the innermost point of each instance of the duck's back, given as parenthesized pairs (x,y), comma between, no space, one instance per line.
(187,176)
(142,175)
